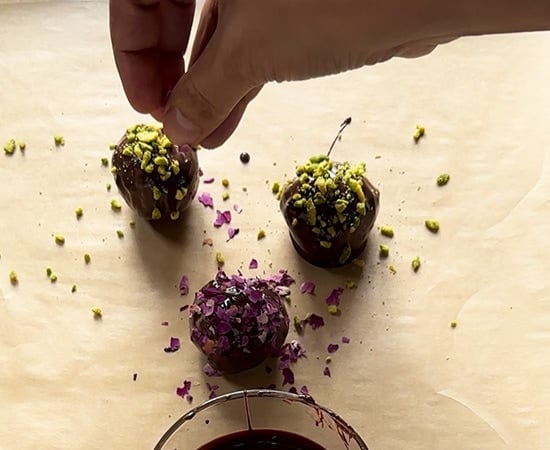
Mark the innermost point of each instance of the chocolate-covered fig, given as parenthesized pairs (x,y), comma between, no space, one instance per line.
(156,178)
(329,207)
(238,322)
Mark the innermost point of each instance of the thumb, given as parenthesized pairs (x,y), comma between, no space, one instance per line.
(204,97)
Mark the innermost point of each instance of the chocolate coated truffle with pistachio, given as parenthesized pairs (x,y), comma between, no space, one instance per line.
(156,178)
(329,207)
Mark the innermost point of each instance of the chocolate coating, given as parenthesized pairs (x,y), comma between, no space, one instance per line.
(348,242)
(237,323)
(136,185)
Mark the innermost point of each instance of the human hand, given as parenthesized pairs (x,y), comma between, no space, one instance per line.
(242,44)
(149,38)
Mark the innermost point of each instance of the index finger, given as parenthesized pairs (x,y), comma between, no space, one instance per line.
(149,38)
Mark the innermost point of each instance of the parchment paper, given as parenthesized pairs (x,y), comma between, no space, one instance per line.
(407,379)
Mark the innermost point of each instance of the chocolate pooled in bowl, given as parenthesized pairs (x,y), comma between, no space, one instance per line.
(156,178)
(238,322)
(330,208)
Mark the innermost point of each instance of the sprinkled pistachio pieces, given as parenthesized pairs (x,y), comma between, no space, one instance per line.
(104,162)
(22,145)
(261,234)
(49,271)
(432,225)
(392,268)
(120,234)
(359,262)
(53,277)
(387,231)
(454,324)
(443,179)
(225,182)
(333,310)
(108,187)
(350,284)
(415,263)
(79,212)
(156,214)
(58,140)
(13,277)
(9,147)
(87,258)
(73,289)
(384,251)
(157,194)
(59,239)
(225,195)
(419,132)
(220,259)
(132,223)
(175,215)
(275,187)
(115,205)
(96,311)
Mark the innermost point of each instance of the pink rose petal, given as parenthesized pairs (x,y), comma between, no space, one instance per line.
(184,285)
(206,199)
(332,348)
(326,372)
(209,180)
(174,345)
(237,209)
(253,264)
(345,340)
(307,287)
(334,296)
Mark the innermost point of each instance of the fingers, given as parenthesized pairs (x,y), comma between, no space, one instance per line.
(149,38)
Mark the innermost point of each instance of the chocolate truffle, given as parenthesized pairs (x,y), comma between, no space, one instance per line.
(156,178)
(238,322)
(329,207)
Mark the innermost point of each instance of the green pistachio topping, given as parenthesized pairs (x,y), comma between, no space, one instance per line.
(387,231)
(392,268)
(115,205)
(87,258)
(58,140)
(157,194)
(225,196)
(225,182)
(73,289)
(13,277)
(220,259)
(120,234)
(415,263)
(108,186)
(298,324)
(104,162)
(156,214)
(346,253)
(175,215)
(325,244)
(261,234)
(59,239)
(79,212)
(443,179)
(49,271)
(432,225)
(419,132)
(275,187)
(180,194)
(22,146)
(332,310)
(350,284)
(53,277)
(384,251)
(9,147)
(454,324)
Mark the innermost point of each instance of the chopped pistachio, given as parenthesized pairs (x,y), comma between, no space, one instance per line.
(58,140)
(87,258)
(120,234)
(432,225)
(220,259)
(53,277)
(392,268)
(180,194)
(175,215)
(275,187)
(384,251)
(157,194)
(161,161)
(328,359)
(419,132)
(225,182)
(22,145)
(387,231)
(96,310)
(104,162)
(108,187)
(49,271)
(332,309)
(113,170)
(112,146)
(9,147)
(59,239)
(132,223)
(325,244)
(261,234)
(298,324)
(350,284)
(79,212)
(443,179)
(453,323)
(73,289)
(359,262)
(156,214)
(13,277)
(415,263)
(225,195)
(115,205)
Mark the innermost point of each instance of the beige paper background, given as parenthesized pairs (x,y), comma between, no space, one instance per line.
(407,380)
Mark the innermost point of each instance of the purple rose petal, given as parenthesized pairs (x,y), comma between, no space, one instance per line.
(206,199)
(222,218)
(326,372)
(212,388)
(307,287)
(334,297)
(293,390)
(332,348)
(209,180)
(183,308)
(183,391)
(304,390)
(315,321)
(288,376)
(232,232)
(345,340)
(253,264)
(174,345)
(237,209)
(184,285)
(209,371)
(164,323)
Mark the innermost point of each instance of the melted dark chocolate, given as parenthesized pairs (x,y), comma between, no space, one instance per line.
(262,440)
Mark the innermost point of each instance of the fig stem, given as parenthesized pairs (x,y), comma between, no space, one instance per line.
(343,126)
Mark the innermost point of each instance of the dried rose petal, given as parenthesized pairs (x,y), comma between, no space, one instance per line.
(315,321)
(227,216)
(304,390)
(174,345)
(212,388)
(237,209)
(332,348)
(253,264)
(345,340)
(209,180)
(183,391)
(164,323)
(209,371)
(334,296)
(183,308)
(307,287)
(326,372)
(293,390)
(288,376)
(184,285)
(206,199)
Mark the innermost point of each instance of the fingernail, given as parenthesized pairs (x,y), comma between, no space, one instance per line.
(179,128)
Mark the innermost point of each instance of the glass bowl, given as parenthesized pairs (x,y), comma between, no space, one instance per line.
(260,409)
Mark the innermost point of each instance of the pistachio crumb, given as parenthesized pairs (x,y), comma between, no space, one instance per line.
(13,277)
(333,310)
(443,179)
(120,234)
(387,231)
(49,271)
(79,212)
(22,145)
(359,262)
(275,187)
(73,289)
(419,132)
(432,225)
(156,214)
(132,223)
(350,284)
(261,234)
(392,268)
(384,251)
(108,186)
(9,147)
(225,182)
(115,205)
(53,277)
(87,258)
(175,215)
(225,195)
(298,324)
(415,263)
(454,324)
(59,239)
(58,140)
(112,147)
(96,310)
(105,162)
(220,259)
(328,359)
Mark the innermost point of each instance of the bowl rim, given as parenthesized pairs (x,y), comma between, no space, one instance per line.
(345,430)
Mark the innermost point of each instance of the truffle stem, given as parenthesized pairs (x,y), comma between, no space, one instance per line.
(343,125)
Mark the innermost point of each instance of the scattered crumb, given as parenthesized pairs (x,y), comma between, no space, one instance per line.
(96,310)
(13,278)
(261,234)
(58,140)
(420,131)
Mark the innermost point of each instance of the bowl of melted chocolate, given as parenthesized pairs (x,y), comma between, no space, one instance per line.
(261,419)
